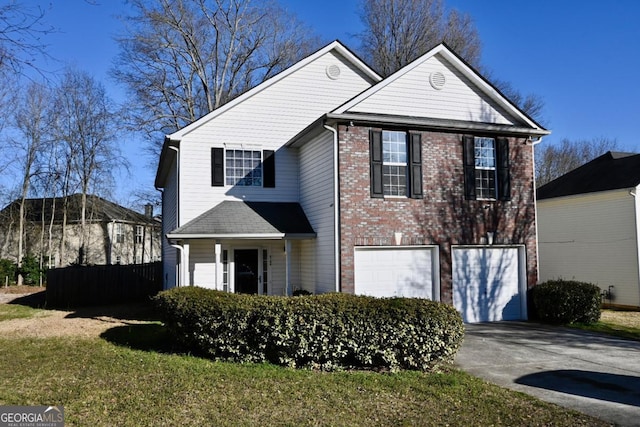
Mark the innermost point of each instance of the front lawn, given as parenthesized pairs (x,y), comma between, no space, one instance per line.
(12,311)
(130,377)
(620,323)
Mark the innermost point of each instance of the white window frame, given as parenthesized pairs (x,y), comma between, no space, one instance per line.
(246,171)
(485,161)
(119,232)
(139,234)
(393,160)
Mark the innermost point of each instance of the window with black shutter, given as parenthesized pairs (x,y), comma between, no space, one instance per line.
(486,168)
(395,164)
(243,168)
(268,168)
(217,167)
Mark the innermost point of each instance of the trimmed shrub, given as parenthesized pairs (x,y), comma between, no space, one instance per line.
(566,301)
(7,271)
(328,331)
(30,270)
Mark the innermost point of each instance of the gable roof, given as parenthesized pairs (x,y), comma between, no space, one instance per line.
(335,45)
(610,171)
(263,220)
(166,155)
(98,210)
(526,124)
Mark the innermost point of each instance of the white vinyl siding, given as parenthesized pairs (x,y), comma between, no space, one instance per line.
(317,198)
(591,238)
(265,121)
(412,95)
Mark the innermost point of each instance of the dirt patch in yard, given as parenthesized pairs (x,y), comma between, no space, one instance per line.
(83,322)
(630,319)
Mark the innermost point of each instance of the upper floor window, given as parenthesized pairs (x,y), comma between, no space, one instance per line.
(242,167)
(119,232)
(139,233)
(396,164)
(486,163)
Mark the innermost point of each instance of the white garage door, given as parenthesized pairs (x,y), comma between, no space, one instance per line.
(394,272)
(488,284)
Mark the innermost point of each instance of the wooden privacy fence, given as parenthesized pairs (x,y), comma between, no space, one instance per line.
(102,284)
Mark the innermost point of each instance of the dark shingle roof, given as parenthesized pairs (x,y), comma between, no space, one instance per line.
(98,210)
(249,218)
(611,171)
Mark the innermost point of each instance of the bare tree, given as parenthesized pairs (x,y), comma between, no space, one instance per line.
(553,161)
(531,104)
(86,122)
(398,31)
(21,30)
(30,119)
(180,59)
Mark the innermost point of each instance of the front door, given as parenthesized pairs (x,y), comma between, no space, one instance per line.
(246,271)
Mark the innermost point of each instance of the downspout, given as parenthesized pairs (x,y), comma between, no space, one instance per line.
(637,218)
(535,202)
(336,209)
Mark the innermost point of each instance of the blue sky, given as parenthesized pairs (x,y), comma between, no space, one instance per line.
(581,57)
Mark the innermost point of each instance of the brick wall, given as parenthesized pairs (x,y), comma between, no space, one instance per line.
(443,217)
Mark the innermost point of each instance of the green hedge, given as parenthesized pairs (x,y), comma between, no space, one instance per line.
(321,331)
(566,301)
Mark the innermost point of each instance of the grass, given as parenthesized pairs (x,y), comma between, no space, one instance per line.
(131,377)
(12,311)
(620,323)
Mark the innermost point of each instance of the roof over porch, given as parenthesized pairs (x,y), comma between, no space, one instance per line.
(248,220)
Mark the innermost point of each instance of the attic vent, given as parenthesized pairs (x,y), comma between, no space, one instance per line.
(437,80)
(333,71)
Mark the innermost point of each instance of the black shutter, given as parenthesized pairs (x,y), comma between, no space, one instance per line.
(217,167)
(268,169)
(504,178)
(375,153)
(415,165)
(469,167)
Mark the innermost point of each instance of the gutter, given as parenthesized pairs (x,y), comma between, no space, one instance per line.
(336,209)
(437,124)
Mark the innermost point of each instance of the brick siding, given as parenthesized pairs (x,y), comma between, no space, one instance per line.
(443,217)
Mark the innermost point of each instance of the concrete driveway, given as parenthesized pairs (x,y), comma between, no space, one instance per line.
(591,373)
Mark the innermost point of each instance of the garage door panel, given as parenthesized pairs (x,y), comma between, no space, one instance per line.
(486,284)
(393,272)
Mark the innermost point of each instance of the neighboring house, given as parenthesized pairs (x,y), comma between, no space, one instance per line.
(328,178)
(114,234)
(588,226)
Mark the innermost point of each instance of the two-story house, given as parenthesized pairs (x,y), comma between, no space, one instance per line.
(589,227)
(113,234)
(329,178)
